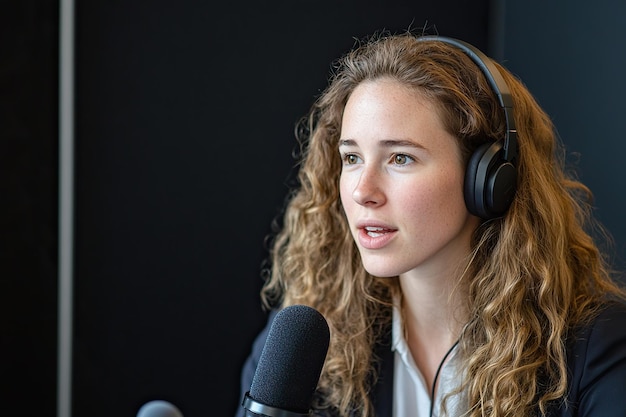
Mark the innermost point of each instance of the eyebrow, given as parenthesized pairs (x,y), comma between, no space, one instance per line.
(389,143)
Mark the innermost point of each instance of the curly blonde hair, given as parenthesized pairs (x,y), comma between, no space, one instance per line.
(534,273)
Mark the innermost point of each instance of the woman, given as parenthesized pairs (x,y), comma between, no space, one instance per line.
(436,230)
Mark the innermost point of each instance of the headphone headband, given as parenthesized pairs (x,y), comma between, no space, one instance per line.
(491,175)
(497,83)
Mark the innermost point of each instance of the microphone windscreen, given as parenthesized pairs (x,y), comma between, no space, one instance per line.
(291,362)
(159,408)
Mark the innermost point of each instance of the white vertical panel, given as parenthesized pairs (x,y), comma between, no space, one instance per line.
(66,206)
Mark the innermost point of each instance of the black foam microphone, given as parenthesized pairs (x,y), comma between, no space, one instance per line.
(290,364)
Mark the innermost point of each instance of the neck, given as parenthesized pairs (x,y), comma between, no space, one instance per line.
(435,309)
(433,314)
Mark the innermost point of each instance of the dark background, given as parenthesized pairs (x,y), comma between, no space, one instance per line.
(572,57)
(184,134)
(28,204)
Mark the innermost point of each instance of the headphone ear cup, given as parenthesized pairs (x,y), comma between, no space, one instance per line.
(474,200)
(490,182)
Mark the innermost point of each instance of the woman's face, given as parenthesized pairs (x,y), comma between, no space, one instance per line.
(401,183)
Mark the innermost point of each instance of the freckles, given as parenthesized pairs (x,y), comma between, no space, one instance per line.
(443,201)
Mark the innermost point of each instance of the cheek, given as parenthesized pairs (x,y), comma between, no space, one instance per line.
(438,198)
(345,194)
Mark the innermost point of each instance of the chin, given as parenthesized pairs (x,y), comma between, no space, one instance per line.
(383,265)
(377,271)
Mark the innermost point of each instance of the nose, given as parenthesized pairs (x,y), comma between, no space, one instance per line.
(367,190)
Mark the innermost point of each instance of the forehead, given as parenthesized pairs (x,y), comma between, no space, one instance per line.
(388,102)
(388,114)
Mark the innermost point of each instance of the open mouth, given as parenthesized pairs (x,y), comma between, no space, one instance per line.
(376,231)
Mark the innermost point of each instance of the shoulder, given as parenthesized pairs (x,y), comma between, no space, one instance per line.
(257,347)
(603,336)
(606,328)
(252,360)
(597,363)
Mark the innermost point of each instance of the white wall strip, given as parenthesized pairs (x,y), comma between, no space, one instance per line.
(66,207)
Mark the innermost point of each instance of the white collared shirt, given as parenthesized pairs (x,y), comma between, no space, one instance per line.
(411,395)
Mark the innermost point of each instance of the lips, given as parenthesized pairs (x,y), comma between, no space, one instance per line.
(375,237)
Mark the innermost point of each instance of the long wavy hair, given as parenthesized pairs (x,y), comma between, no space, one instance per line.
(534,273)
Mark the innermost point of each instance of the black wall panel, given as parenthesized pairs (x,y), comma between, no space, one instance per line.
(28,207)
(184,135)
(574,65)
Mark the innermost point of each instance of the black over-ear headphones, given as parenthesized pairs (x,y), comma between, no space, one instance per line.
(491,176)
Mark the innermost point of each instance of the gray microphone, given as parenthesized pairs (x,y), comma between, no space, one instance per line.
(290,364)
(159,408)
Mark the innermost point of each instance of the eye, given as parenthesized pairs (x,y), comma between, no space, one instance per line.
(350,159)
(401,159)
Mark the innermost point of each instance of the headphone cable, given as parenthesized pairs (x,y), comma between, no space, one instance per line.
(432,390)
